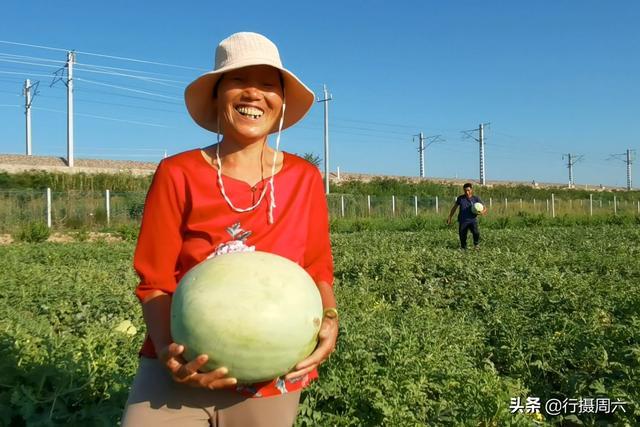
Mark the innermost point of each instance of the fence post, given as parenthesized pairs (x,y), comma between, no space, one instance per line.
(415,199)
(369,204)
(490,202)
(48,207)
(570,204)
(639,207)
(615,205)
(553,205)
(506,205)
(590,204)
(342,205)
(520,203)
(600,201)
(108,206)
(437,204)
(393,205)
(534,204)
(547,205)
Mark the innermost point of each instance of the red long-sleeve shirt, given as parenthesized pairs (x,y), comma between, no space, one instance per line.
(186,218)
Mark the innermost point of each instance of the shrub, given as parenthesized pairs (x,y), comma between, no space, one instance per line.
(501,222)
(135,209)
(529,219)
(615,220)
(128,232)
(33,232)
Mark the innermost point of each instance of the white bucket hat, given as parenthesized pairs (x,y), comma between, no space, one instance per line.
(238,51)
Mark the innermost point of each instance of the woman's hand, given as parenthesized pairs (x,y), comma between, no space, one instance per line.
(187,372)
(327,338)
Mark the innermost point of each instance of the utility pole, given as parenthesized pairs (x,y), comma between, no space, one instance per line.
(629,157)
(571,160)
(71,59)
(629,184)
(28,99)
(326,99)
(480,140)
(421,153)
(422,148)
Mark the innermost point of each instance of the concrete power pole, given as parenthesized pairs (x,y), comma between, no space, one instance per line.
(28,99)
(571,160)
(326,99)
(481,140)
(570,166)
(628,160)
(71,59)
(421,152)
(423,147)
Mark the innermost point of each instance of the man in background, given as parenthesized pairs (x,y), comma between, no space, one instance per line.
(467,218)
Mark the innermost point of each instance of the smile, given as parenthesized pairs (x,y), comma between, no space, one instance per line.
(251,112)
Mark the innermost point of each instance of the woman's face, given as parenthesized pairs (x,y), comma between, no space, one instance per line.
(249,102)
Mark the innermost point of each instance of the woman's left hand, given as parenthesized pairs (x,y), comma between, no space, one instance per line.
(327,338)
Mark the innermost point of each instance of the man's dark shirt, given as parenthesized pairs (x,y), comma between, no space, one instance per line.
(465,215)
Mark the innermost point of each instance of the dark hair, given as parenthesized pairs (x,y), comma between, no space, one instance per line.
(215,88)
(467,185)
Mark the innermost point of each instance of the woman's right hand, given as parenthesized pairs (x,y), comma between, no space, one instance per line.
(188,372)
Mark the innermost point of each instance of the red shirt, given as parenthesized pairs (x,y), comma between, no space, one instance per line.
(186,219)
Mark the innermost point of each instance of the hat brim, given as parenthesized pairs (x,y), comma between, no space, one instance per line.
(198,97)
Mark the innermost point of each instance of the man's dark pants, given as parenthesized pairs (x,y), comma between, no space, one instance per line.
(464,228)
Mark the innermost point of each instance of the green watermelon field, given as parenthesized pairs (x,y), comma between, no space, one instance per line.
(429,334)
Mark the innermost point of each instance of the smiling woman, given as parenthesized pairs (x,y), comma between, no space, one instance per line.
(218,199)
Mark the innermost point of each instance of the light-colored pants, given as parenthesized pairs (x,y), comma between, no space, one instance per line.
(156,399)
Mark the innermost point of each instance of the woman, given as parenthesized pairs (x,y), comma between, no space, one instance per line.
(238,194)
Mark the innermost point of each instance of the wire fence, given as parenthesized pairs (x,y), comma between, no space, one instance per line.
(94,210)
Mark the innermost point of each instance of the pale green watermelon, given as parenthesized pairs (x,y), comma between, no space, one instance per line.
(256,313)
(477,208)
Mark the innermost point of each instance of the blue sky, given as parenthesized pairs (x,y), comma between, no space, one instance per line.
(551,78)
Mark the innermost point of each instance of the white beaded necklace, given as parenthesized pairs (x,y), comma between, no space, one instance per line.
(272,204)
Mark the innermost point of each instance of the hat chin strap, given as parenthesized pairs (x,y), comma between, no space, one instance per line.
(272,203)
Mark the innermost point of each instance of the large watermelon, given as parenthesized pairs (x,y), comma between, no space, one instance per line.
(256,313)
(477,208)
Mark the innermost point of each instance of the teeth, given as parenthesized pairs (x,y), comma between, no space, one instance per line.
(254,113)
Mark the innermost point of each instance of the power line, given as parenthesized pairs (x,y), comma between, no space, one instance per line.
(127,69)
(129,89)
(143,78)
(116,71)
(121,95)
(121,58)
(33,45)
(378,123)
(142,61)
(28,63)
(38,58)
(105,118)
(136,107)
(26,73)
